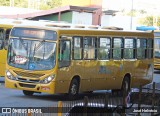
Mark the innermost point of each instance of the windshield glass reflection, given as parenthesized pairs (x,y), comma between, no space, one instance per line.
(31,54)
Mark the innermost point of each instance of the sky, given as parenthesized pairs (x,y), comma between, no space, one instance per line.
(151,6)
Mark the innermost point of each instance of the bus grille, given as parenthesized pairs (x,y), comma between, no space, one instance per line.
(27,74)
(27,85)
(27,80)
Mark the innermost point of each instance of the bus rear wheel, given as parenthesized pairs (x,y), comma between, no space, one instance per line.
(28,93)
(73,89)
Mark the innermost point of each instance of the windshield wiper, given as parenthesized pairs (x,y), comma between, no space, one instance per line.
(37,47)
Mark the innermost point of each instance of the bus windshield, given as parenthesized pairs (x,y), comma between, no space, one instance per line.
(157,47)
(31,54)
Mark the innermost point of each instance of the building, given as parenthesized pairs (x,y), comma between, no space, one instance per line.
(80,12)
(70,14)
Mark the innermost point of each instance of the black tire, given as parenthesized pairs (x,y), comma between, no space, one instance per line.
(73,89)
(28,93)
(125,86)
(116,92)
(88,92)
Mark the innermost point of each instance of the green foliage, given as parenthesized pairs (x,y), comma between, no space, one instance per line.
(147,21)
(4,2)
(21,3)
(49,4)
(42,4)
(132,12)
(142,11)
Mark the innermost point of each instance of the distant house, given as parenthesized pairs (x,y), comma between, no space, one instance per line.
(71,14)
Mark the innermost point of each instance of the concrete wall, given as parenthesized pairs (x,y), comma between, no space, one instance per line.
(119,21)
(66,16)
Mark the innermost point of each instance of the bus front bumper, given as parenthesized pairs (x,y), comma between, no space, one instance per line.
(36,87)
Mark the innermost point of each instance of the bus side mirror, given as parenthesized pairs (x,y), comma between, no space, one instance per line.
(1,44)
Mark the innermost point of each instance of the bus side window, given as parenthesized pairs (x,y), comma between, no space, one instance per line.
(104,48)
(64,55)
(1,38)
(129,48)
(6,38)
(117,48)
(89,48)
(77,48)
(141,48)
(150,48)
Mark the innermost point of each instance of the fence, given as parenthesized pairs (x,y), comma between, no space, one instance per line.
(143,101)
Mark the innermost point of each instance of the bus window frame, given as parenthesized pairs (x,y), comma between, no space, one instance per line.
(146,49)
(6,38)
(81,47)
(62,61)
(110,49)
(95,48)
(2,40)
(134,48)
(122,47)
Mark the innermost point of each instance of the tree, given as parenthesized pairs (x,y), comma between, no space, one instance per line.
(142,11)
(21,3)
(4,2)
(132,12)
(147,21)
(48,4)
(35,4)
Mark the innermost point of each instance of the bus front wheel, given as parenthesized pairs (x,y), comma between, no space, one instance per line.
(73,89)
(28,93)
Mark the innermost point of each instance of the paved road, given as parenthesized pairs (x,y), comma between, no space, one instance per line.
(156,76)
(11,97)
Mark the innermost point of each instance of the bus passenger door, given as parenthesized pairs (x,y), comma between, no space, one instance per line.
(64,67)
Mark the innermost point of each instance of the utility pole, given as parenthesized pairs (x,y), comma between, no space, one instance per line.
(11,3)
(29,2)
(131,15)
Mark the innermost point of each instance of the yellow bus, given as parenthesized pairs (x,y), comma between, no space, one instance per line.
(157,49)
(5,27)
(61,59)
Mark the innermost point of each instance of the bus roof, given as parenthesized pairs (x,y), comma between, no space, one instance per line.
(12,22)
(72,28)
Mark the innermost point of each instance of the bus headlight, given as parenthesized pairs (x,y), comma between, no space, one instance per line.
(47,79)
(10,76)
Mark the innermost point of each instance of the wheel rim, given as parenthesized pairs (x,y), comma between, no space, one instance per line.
(74,89)
(126,87)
